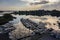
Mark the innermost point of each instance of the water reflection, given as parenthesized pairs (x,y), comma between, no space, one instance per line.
(21,30)
(18,17)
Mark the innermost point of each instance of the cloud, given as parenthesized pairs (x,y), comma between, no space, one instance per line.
(40,1)
(51,6)
(40,4)
(53,0)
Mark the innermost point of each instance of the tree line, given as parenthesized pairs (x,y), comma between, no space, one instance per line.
(38,12)
(5,18)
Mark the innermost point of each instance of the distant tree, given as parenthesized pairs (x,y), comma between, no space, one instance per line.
(1,11)
(6,18)
(39,12)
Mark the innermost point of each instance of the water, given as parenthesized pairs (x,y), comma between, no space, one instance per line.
(1,14)
(21,30)
(18,17)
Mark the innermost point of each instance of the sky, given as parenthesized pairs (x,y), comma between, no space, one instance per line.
(29,4)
